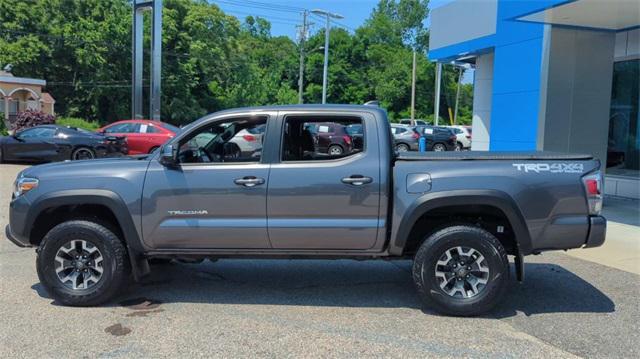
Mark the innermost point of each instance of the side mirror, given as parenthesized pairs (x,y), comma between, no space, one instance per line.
(169,155)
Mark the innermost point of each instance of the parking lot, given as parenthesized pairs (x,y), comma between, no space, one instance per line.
(566,307)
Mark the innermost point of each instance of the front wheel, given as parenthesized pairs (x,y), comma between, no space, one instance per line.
(461,270)
(82,263)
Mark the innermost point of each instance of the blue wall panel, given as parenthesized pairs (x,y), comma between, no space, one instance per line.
(517,67)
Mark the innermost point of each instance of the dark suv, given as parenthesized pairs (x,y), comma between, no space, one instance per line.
(331,138)
(438,138)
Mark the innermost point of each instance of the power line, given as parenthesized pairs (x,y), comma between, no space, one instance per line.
(260,5)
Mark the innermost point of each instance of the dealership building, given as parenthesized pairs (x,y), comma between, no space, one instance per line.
(554,75)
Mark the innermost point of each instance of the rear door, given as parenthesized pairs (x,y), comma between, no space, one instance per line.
(130,130)
(319,201)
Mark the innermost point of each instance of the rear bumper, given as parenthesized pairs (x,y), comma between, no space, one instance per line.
(597,231)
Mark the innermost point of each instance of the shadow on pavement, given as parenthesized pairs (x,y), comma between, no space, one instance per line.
(548,288)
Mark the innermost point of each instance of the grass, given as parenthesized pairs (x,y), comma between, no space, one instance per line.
(77,122)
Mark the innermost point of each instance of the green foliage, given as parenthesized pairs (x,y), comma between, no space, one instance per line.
(78,123)
(212,61)
(3,127)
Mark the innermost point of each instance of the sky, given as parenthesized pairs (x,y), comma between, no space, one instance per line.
(284,15)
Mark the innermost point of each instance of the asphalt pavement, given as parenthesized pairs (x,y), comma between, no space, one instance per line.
(566,307)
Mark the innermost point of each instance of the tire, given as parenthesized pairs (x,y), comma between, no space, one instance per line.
(402,147)
(82,153)
(153,149)
(335,150)
(457,296)
(103,250)
(459,146)
(439,147)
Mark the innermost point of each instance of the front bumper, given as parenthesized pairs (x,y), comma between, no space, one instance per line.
(17,240)
(17,229)
(597,231)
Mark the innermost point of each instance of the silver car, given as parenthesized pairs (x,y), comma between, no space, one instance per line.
(405,138)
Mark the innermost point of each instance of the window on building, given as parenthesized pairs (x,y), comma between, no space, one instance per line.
(623,152)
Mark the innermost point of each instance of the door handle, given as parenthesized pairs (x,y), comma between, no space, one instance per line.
(357,180)
(249,181)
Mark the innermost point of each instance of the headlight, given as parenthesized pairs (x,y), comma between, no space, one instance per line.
(24,185)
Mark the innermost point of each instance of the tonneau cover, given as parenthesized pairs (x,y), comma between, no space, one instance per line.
(486,155)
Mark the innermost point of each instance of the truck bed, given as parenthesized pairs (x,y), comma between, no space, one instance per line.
(486,155)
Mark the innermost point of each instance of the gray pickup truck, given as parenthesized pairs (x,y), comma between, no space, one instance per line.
(251,182)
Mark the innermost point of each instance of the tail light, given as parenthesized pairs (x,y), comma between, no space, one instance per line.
(346,139)
(468,136)
(249,138)
(593,189)
(415,135)
(453,138)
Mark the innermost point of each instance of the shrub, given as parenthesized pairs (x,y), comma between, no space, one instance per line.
(30,118)
(3,128)
(78,123)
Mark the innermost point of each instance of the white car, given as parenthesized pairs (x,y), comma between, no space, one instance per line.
(463,137)
(408,122)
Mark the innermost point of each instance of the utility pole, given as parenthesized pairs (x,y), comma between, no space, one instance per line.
(325,71)
(139,6)
(436,110)
(303,38)
(413,88)
(455,112)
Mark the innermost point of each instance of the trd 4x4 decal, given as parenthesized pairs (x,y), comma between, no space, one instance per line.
(551,168)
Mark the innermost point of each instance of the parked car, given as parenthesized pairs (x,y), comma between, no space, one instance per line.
(408,122)
(457,215)
(249,141)
(405,138)
(143,136)
(438,138)
(357,136)
(49,143)
(331,138)
(463,135)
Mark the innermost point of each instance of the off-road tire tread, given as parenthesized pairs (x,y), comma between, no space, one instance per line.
(119,273)
(425,249)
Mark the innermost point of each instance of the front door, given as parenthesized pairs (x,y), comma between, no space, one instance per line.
(319,199)
(214,198)
(34,144)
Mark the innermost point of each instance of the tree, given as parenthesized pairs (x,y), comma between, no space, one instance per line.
(213,61)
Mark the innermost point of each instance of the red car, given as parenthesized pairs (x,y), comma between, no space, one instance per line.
(143,136)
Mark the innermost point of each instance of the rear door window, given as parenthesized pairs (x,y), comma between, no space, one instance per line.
(309,138)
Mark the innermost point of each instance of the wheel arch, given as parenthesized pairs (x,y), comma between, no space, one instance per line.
(95,198)
(430,203)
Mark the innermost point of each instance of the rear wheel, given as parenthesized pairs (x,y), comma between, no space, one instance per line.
(461,270)
(458,146)
(335,150)
(83,153)
(439,147)
(402,147)
(82,263)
